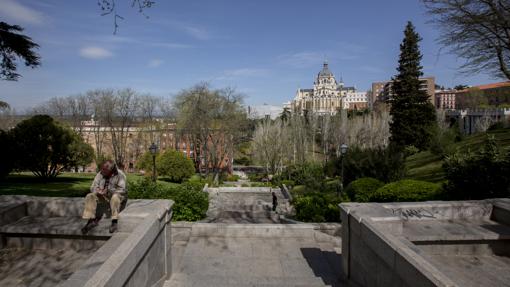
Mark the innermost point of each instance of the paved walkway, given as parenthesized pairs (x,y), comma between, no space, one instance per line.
(255,255)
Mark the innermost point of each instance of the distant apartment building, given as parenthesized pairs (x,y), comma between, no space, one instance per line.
(382,91)
(136,140)
(487,95)
(327,96)
(356,101)
(445,99)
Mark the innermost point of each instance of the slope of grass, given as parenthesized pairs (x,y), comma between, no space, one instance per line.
(67,184)
(427,166)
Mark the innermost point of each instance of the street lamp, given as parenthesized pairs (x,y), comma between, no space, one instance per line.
(343,151)
(153,150)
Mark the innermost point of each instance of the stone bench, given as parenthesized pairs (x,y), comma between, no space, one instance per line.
(137,255)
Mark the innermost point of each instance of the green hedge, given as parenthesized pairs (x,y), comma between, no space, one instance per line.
(191,202)
(362,189)
(407,190)
(317,207)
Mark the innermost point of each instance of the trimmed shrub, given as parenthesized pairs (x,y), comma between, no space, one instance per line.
(232,177)
(288,183)
(362,189)
(317,207)
(298,189)
(191,202)
(195,178)
(407,190)
(174,165)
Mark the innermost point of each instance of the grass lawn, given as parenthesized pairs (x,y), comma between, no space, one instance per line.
(66,184)
(427,166)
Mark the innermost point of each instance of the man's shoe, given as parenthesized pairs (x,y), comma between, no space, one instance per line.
(90,224)
(113,227)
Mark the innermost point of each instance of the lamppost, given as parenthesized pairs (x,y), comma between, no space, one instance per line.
(343,151)
(153,150)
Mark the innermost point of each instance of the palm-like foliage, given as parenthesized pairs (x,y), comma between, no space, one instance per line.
(15,45)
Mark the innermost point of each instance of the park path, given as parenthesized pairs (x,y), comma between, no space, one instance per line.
(227,255)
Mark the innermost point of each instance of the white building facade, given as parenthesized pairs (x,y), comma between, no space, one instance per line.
(328,96)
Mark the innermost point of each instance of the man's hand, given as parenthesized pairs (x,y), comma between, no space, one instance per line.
(101,191)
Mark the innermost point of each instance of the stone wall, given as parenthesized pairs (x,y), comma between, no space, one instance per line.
(408,244)
(139,254)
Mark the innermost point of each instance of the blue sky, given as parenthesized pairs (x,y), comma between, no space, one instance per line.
(266,49)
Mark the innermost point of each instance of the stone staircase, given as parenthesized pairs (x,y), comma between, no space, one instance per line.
(255,255)
(243,205)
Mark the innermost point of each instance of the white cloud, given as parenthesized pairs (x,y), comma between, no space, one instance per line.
(154,63)
(19,13)
(93,52)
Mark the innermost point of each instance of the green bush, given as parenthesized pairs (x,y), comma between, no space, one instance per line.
(256,176)
(384,164)
(232,177)
(442,143)
(362,189)
(288,183)
(195,178)
(298,189)
(145,162)
(480,175)
(191,202)
(174,165)
(407,190)
(309,174)
(317,207)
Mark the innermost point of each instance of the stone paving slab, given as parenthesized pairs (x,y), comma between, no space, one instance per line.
(25,267)
(429,230)
(184,280)
(218,259)
(467,271)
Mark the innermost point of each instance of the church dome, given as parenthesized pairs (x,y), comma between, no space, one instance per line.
(325,72)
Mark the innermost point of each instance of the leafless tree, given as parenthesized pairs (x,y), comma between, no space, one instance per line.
(477,31)
(269,143)
(483,123)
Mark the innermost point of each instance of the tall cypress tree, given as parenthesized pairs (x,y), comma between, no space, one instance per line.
(413,116)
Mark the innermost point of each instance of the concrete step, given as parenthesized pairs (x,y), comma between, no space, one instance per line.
(244,280)
(253,231)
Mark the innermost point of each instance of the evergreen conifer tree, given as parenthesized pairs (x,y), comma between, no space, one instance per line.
(413,116)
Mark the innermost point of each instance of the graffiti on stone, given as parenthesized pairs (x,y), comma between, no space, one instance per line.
(406,213)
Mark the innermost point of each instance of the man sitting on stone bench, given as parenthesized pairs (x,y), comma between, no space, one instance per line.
(109,186)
